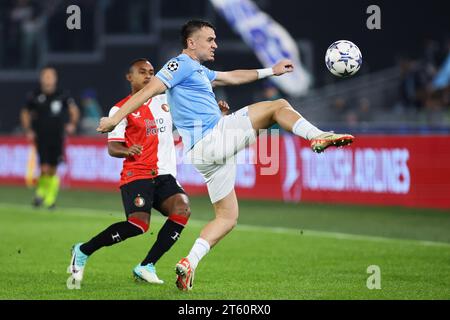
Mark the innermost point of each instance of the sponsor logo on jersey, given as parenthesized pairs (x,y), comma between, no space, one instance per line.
(56,107)
(136,115)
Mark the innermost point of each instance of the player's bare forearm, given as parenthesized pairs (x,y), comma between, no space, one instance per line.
(120,150)
(74,113)
(25,120)
(153,88)
(236,77)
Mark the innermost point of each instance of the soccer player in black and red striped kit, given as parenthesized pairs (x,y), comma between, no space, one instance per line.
(145,140)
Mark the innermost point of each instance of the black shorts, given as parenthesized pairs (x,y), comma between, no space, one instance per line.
(50,151)
(143,195)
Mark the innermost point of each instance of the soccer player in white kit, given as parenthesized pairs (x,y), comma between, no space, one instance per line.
(206,134)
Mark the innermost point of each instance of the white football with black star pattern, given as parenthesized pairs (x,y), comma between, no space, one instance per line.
(172,66)
(343,58)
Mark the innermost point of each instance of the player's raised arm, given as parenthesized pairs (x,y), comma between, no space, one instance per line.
(153,88)
(237,77)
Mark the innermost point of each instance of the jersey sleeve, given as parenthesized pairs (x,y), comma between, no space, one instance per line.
(70,100)
(29,102)
(174,72)
(118,134)
(211,74)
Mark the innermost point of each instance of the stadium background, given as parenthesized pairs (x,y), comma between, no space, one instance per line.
(393,183)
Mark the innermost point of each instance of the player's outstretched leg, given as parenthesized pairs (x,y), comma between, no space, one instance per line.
(176,207)
(227,212)
(113,234)
(265,114)
(167,236)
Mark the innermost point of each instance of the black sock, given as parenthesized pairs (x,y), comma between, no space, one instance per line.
(115,233)
(167,236)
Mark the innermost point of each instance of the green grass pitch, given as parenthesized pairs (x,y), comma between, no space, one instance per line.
(278,251)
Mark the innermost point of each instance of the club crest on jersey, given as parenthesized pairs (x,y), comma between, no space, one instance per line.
(172,66)
(56,107)
(136,115)
(165,107)
(139,201)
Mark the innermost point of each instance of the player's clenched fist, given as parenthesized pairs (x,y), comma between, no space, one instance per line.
(134,150)
(223,106)
(283,67)
(106,125)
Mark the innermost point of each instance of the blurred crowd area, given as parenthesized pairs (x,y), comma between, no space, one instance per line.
(425,84)
(422,94)
(30,29)
(21,23)
(418,96)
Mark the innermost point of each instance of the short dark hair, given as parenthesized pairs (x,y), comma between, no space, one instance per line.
(48,66)
(190,27)
(132,63)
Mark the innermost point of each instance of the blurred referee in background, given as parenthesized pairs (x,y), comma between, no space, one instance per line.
(48,115)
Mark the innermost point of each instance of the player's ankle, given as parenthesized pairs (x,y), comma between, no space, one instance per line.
(303,128)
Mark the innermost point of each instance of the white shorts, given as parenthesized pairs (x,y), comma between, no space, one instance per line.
(214,154)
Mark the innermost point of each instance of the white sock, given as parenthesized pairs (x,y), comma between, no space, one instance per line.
(305,129)
(198,251)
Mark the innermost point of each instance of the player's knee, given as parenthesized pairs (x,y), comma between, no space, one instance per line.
(182,207)
(280,106)
(282,103)
(186,211)
(181,212)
